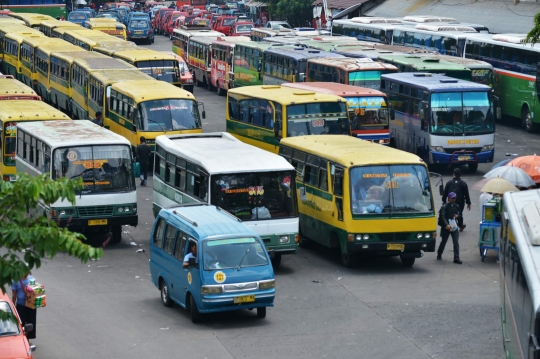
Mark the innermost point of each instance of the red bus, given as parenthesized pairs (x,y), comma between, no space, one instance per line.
(222,75)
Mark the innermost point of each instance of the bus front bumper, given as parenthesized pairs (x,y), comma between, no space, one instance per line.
(88,224)
(389,247)
(460,157)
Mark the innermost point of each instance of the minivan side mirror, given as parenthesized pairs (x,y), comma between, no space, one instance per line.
(28,327)
(193,263)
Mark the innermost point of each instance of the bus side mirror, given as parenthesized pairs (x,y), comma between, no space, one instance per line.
(277,129)
(392,114)
(441,189)
(204,114)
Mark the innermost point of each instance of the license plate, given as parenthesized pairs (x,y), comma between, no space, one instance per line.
(97,222)
(244,299)
(138,32)
(395,247)
(463,158)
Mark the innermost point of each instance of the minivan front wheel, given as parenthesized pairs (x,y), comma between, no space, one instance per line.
(195,315)
(261,312)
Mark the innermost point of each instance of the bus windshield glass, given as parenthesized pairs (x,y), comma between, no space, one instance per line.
(164,70)
(229,22)
(10,143)
(457,113)
(370,78)
(367,111)
(255,196)
(169,114)
(103,169)
(233,253)
(318,118)
(391,189)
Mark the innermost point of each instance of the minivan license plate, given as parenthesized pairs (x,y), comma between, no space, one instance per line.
(395,247)
(244,299)
(97,222)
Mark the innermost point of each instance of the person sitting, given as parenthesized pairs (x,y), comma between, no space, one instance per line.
(191,254)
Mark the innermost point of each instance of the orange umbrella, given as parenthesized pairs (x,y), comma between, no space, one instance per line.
(529,164)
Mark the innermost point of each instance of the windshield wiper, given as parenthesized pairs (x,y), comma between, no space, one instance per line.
(8,333)
(244,256)
(159,124)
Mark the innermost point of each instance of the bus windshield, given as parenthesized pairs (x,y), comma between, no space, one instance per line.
(370,79)
(457,113)
(103,168)
(390,189)
(318,118)
(164,70)
(233,253)
(169,114)
(10,142)
(367,112)
(255,196)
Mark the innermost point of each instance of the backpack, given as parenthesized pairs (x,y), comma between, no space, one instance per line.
(455,186)
(440,221)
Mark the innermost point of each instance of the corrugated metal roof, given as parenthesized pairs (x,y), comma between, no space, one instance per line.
(339,4)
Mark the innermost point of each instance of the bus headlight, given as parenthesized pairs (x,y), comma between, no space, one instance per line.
(120,209)
(211,289)
(267,284)
(436,148)
(358,237)
(420,235)
(126,209)
(284,239)
(487,148)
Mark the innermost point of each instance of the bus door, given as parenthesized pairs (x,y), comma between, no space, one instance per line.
(337,175)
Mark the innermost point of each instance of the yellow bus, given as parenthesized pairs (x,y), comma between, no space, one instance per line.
(31,20)
(110,48)
(263,115)
(89,39)
(9,28)
(149,109)
(10,20)
(16,111)
(28,54)
(60,71)
(80,71)
(160,66)
(12,54)
(107,26)
(42,67)
(11,89)
(99,87)
(46,27)
(362,198)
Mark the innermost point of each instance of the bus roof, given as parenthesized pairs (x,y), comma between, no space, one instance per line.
(210,220)
(105,63)
(468,63)
(422,62)
(329,45)
(335,89)
(507,40)
(206,40)
(72,133)
(197,32)
(221,152)
(110,77)
(349,64)
(350,151)
(8,20)
(256,45)
(50,48)
(142,54)
(77,55)
(38,41)
(434,82)
(57,23)
(231,40)
(15,110)
(20,36)
(299,53)
(283,95)
(110,49)
(10,88)
(143,90)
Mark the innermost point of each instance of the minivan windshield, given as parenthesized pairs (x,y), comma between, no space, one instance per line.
(233,253)
(8,327)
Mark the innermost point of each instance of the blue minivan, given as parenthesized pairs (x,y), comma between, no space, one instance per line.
(229,267)
(78,17)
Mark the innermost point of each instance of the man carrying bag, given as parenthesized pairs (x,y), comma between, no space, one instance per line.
(448,215)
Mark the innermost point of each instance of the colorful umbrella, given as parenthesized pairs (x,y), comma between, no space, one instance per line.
(499,185)
(514,175)
(529,164)
(502,163)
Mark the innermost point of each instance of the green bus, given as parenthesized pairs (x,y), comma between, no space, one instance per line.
(517,76)
(248,63)
(430,64)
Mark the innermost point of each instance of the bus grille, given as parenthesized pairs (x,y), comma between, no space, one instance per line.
(95,211)
(473,149)
(393,237)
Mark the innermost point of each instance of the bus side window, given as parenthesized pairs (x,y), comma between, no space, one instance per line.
(338,191)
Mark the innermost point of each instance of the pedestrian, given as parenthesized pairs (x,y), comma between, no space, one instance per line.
(18,296)
(307,24)
(99,119)
(258,23)
(448,215)
(329,24)
(460,188)
(143,154)
(314,23)
(318,19)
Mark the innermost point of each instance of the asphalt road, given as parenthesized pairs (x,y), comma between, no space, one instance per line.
(436,309)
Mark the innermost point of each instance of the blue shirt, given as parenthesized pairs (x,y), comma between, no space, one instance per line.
(188,256)
(16,286)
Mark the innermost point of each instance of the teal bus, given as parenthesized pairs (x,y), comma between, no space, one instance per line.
(248,63)
(430,64)
(517,74)
(519,277)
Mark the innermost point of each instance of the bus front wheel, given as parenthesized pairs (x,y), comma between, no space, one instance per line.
(408,262)
(349,260)
(276,261)
(116,234)
(473,167)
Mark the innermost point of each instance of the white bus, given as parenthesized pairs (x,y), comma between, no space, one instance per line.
(81,149)
(255,185)
(520,279)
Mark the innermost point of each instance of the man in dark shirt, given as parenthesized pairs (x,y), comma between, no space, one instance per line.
(449,213)
(143,154)
(460,188)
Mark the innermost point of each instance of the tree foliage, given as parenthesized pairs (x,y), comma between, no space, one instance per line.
(27,240)
(294,11)
(534,35)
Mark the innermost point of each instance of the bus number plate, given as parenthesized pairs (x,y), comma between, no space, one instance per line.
(244,299)
(395,247)
(97,222)
(464,158)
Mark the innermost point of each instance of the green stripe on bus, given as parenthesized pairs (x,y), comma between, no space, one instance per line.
(315,191)
(254,132)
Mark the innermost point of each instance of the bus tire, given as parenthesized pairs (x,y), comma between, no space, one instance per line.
(349,260)
(408,262)
(220,91)
(473,167)
(209,83)
(304,241)
(392,143)
(527,121)
(261,312)
(116,234)
(196,316)
(165,298)
(276,261)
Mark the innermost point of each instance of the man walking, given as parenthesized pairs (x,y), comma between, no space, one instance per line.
(461,190)
(143,154)
(447,220)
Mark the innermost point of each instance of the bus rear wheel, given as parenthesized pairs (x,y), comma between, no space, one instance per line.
(527,121)
(276,261)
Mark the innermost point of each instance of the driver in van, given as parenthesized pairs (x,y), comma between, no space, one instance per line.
(191,254)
